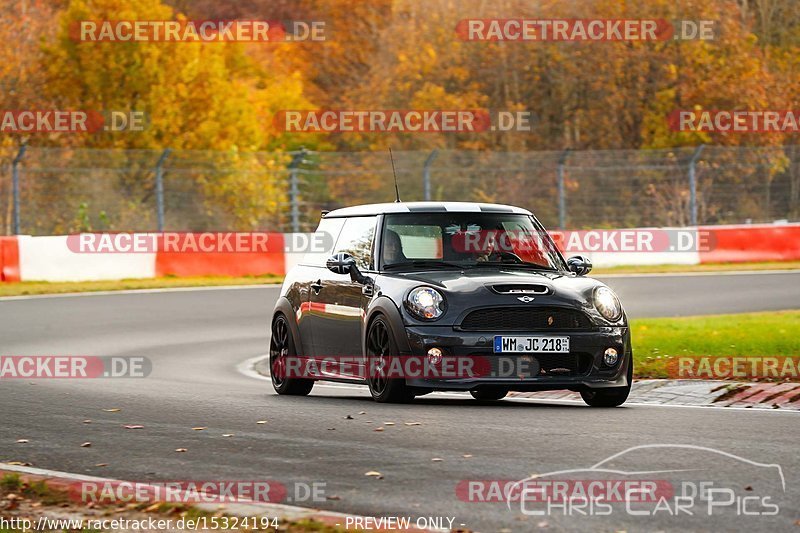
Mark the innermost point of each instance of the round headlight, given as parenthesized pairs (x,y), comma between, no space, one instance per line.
(426,303)
(607,304)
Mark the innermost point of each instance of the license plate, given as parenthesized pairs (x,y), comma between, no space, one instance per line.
(504,344)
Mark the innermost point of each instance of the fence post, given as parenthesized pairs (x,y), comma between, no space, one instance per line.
(426,175)
(562,194)
(693,185)
(160,188)
(15,186)
(298,158)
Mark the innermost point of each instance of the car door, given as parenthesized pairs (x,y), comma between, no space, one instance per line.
(313,270)
(338,302)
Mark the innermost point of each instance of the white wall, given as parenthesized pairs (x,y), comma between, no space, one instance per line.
(49,259)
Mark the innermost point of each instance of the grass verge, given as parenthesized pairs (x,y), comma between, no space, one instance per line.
(657,340)
(23,499)
(43,287)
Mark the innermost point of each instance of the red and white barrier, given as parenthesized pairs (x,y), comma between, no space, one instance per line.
(9,259)
(56,258)
(266,256)
(684,246)
(749,243)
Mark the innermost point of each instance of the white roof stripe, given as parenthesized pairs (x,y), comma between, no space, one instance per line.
(406,207)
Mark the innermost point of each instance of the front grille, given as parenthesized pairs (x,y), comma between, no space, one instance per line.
(524,319)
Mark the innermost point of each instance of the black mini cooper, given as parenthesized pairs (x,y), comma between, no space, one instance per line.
(410,298)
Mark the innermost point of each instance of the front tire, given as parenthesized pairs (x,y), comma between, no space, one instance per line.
(611,397)
(281,348)
(381,347)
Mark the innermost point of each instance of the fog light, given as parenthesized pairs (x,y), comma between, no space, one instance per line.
(610,356)
(435,356)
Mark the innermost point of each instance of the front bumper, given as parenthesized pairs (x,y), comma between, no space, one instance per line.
(584,361)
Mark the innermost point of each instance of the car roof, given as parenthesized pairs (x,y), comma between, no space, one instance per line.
(424,207)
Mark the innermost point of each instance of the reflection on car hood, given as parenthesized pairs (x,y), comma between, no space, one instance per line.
(468,279)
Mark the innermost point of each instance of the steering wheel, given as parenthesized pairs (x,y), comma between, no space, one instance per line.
(504,256)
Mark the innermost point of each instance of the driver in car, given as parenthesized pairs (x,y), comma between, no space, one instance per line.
(393,248)
(492,246)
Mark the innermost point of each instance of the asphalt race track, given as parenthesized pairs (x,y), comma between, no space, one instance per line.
(196,339)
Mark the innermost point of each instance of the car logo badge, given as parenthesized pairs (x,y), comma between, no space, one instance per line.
(526,299)
(550,321)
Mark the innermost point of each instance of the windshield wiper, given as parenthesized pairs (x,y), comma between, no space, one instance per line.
(424,263)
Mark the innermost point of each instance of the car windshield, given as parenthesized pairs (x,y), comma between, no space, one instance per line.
(467,240)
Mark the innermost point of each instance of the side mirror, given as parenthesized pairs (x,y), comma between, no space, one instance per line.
(579,264)
(340,263)
(343,263)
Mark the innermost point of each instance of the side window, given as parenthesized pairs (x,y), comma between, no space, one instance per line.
(356,239)
(326,234)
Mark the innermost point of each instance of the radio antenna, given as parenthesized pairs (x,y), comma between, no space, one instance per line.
(394,172)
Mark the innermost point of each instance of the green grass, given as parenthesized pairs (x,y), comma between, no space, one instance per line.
(38,490)
(10,482)
(657,340)
(708,267)
(43,287)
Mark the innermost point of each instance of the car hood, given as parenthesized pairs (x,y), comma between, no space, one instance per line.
(480,287)
(468,279)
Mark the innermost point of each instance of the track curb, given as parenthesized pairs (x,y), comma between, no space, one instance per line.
(699,393)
